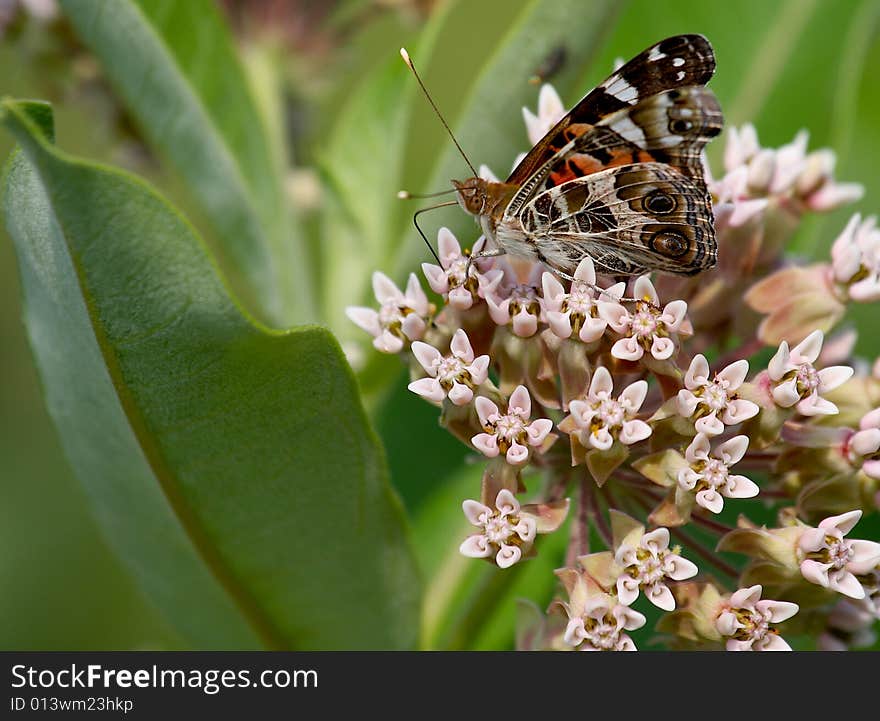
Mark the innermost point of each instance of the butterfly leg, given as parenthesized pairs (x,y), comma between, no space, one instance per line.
(494,253)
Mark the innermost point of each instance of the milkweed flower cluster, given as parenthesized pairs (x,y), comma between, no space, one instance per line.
(660,418)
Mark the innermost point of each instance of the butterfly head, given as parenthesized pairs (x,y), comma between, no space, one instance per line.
(472,195)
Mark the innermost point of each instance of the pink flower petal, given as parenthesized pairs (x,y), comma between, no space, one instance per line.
(538,430)
(507,556)
(846,583)
(741,487)
(525,325)
(415,296)
(698,450)
(686,403)
(634,431)
(627,349)
(601,439)
(661,348)
(711,500)
(786,394)
(460,394)
(427,356)
(734,374)
(634,395)
(643,289)
(499,311)
(413,326)
(844,522)
(809,348)
(520,402)
(673,314)
(831,378)
(656,540)
(815,572)
(475,512)
(627,589)
(709,425)
(559,324)
(866,556)
(732,451)
(506,502)
(428,388)
(387,342)
(479,370)
(476,546)
(614,314)
(461,346)
(526,529)
(778,611)
(697,373)
(552,291)
(384,289)
(738,411)
(365,318)
(486,444)
(681,569)
(486,409)
(436,277)
(586,271)
(460,298)
(774,642)
(815,405)
(592,329)
(601,382)
(745,210)
(517,454)
(780,363)
(746,597)
(660,595)
(448,247)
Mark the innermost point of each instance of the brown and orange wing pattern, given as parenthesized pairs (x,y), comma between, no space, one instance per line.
(677,62)
(671,127)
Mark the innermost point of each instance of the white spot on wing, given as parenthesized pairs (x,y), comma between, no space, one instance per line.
(677,62)
(655,54)
(679,75)
(625,92)
(628,130)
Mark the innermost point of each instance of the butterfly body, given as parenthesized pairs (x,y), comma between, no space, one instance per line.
(619,178)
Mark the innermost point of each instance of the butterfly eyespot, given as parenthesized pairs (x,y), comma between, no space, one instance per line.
(669,243)
(680,126)
(660,203)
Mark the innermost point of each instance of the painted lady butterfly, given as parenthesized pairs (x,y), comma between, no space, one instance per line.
(619,178)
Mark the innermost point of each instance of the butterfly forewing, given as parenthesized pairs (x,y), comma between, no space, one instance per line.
(628,219)
(671,127)
(676,62)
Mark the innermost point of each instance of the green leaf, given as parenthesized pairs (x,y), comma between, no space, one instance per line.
(174,65)
(232,466)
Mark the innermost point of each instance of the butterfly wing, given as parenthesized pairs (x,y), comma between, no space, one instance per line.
(627,219)
(670,127)
(677,62)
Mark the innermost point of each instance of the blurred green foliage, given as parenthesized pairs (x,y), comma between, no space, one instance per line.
(782,65)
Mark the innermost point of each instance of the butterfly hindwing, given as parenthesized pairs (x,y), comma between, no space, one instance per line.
(676,62)
(628,219)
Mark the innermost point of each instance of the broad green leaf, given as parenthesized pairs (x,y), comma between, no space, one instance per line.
(232,466)
(175,67)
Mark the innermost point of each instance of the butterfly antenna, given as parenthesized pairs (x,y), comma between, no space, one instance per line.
(424,237)
(406,195)
(405,55)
